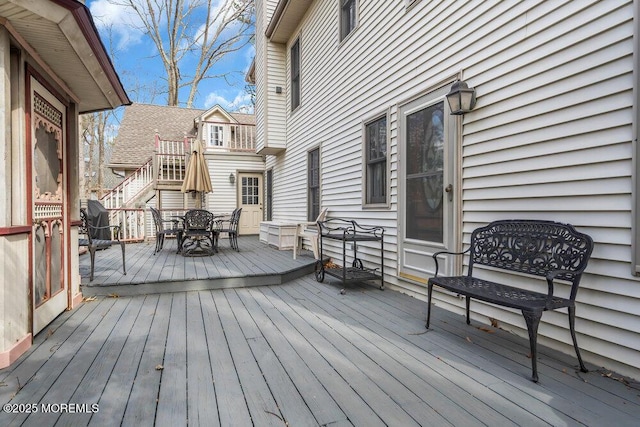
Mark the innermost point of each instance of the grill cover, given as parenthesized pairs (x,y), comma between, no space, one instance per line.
(99,217)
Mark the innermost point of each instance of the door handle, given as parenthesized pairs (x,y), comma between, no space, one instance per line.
(449,190)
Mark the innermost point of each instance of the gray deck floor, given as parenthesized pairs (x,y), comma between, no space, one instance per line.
(296,354)
(166,271)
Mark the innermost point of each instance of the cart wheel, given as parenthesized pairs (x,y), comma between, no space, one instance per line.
(319,271)
(357,263)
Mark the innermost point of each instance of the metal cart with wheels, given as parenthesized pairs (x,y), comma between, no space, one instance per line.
(349,231)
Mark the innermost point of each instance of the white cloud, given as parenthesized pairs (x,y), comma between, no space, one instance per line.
(124,22)
(241,102)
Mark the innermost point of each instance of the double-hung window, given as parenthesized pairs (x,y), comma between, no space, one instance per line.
(348,19)
(375,141)
(215,135)
(295,75)
(313,182)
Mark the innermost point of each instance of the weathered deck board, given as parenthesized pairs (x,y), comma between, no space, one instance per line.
(173,387)
(325,410)
(288,399)
(116,392)
(229,397)
(261,404)
(201,407)
(143,392)
(300,353)
(407,370)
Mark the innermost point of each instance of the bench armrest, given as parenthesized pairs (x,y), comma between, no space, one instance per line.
(435,256)
(553,274)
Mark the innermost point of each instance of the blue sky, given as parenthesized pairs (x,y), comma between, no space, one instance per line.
(137,62)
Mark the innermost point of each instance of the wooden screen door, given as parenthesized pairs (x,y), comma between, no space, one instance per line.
(427,189)
(47,128)
(251,203)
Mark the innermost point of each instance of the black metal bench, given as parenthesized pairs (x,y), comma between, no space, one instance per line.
(541,248)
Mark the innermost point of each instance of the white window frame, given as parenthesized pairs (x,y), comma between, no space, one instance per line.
(365,163)
(346,32)
(215,129)
(311,216)
(294,81)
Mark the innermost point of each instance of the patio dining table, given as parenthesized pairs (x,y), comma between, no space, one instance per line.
(199,236)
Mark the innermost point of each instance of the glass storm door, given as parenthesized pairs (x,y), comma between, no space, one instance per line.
(426,185)
(48,206)
(251,203)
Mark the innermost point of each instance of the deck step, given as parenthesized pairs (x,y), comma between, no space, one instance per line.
(257,264)
(148,288)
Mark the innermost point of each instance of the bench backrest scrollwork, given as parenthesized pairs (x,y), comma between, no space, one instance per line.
(532,246)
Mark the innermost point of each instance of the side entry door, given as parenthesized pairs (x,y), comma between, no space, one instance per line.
(427,185)
(251,193)
(48,201)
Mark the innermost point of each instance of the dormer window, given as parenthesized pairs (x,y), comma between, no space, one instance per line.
(215,135)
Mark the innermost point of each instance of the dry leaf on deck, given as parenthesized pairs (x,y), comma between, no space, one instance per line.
(469,339)
(159,367)
(89,299)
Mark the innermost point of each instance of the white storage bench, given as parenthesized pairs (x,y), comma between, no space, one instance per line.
(279,234)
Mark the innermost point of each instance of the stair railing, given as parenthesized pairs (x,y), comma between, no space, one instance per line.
(128,189)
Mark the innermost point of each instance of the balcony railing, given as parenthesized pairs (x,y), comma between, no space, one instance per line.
(170,158)
(229,137)
(170,162)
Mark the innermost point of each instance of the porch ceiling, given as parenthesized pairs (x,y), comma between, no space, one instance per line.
(61,35)
(285,19)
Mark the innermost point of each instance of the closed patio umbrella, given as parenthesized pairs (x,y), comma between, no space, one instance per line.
(197,177)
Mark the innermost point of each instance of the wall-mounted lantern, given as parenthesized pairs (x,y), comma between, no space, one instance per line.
(232,178)
(461,98)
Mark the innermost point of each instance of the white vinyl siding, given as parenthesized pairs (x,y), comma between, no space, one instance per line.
(549,138)
(270,73)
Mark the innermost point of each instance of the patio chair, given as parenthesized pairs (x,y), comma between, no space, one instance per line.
(162,231)
(87,229)
(230,226)
(301,232)
(198,236)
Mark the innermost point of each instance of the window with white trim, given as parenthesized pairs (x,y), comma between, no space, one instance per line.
(348,17)
(375,141)
(215,135)
(295,75)
(313,183)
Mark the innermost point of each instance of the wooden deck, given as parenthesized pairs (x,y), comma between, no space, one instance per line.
(255,264)
(299,354)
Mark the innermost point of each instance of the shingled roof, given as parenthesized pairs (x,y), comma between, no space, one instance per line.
(134,144)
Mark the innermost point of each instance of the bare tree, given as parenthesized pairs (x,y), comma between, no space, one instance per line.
(96,142)
(97,133)
(202,32)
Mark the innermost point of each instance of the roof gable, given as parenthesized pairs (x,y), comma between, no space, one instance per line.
(135,142)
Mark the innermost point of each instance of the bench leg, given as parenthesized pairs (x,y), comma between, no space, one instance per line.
(533,320)
(467,301)
(179,242)
(429,292)
(92,257)
(124,268)
(572,328)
